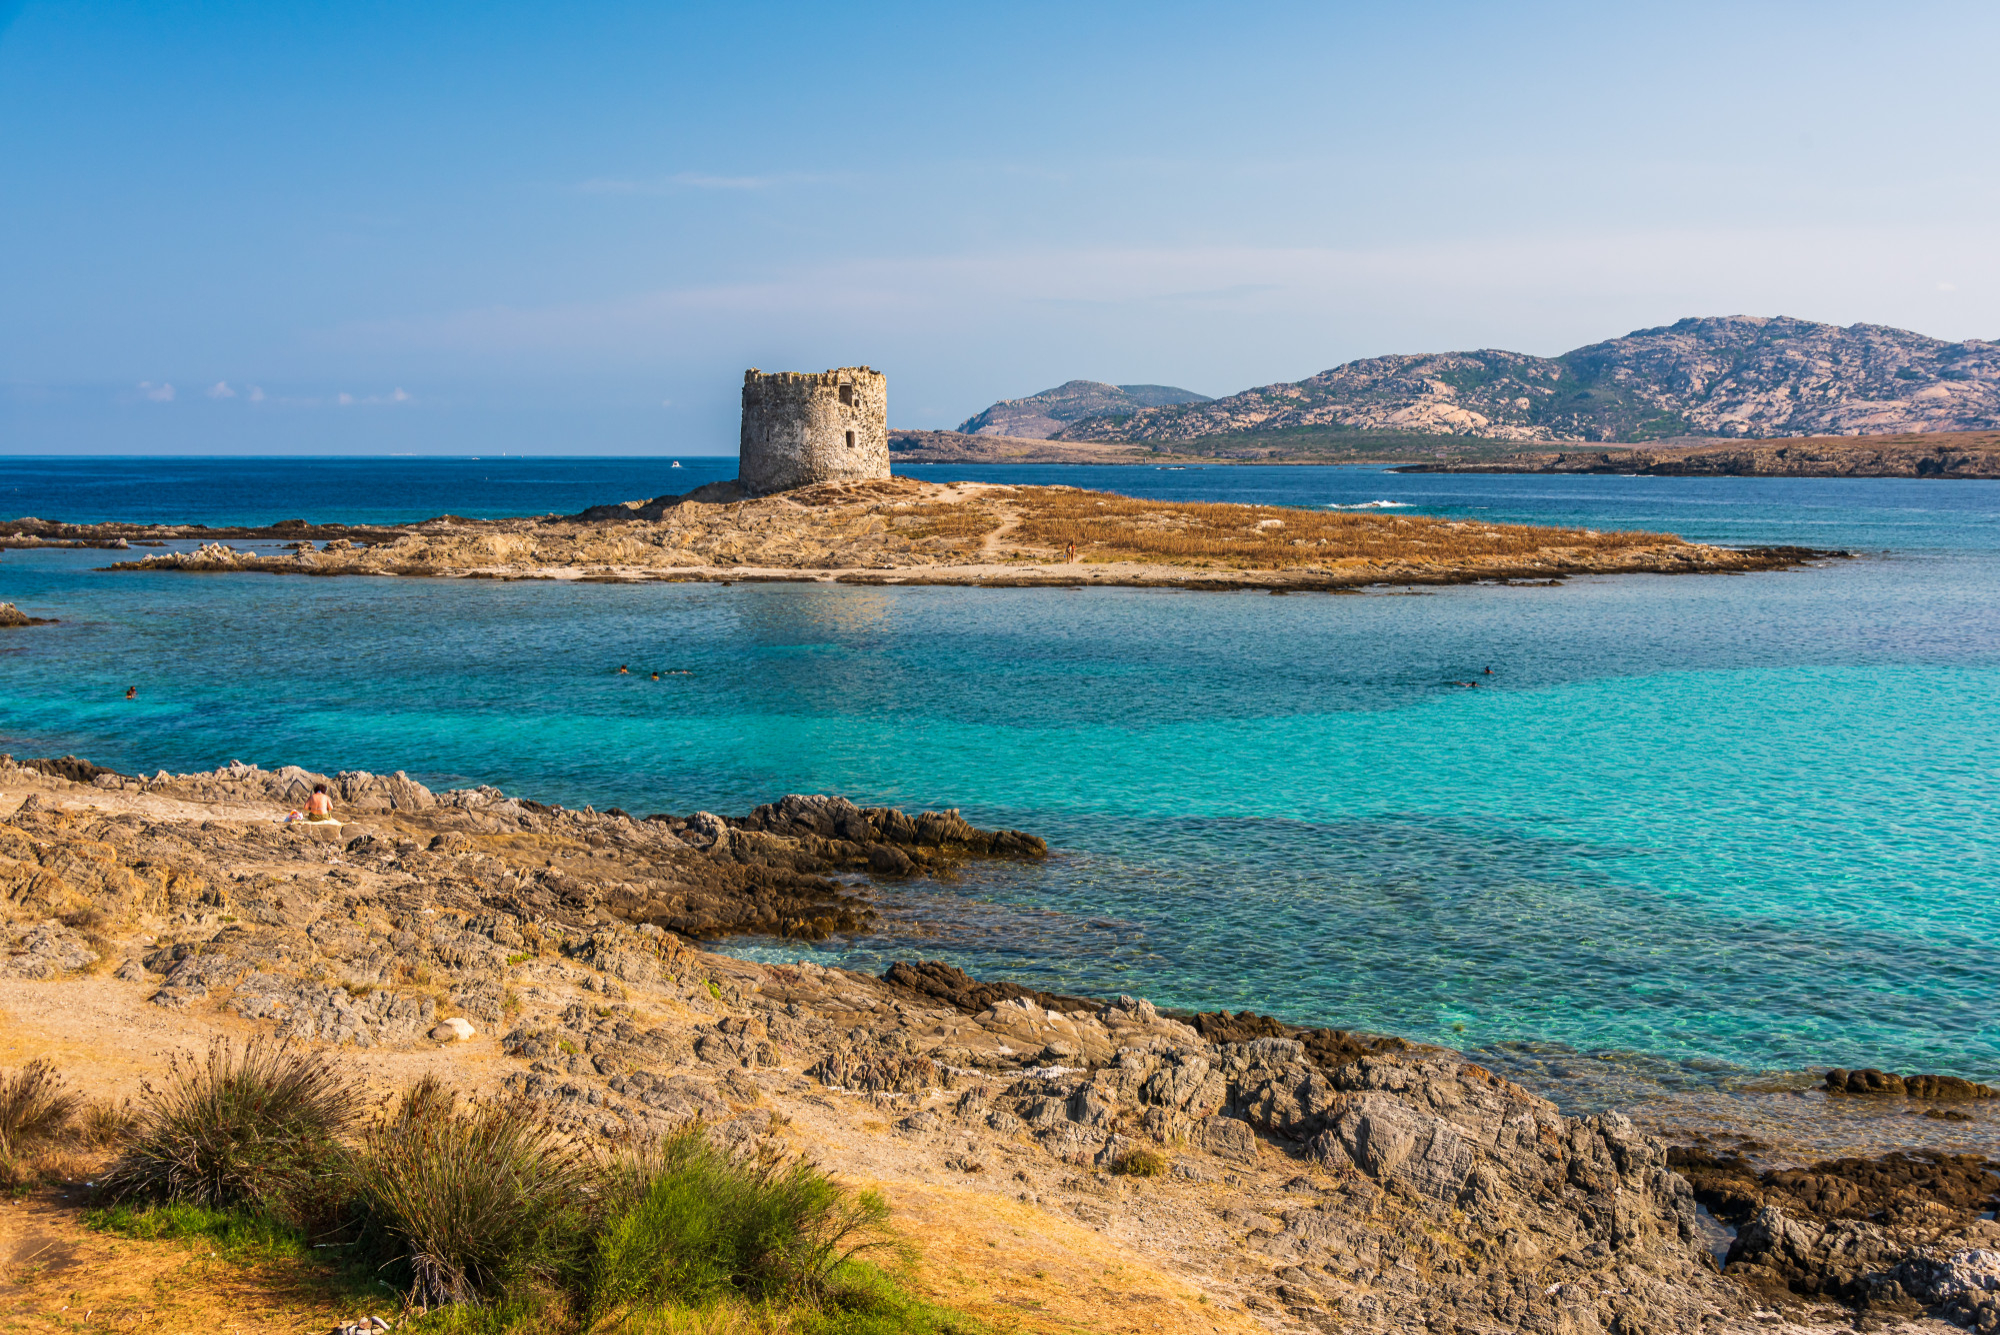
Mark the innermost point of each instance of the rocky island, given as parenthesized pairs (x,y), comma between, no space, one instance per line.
(902,531)
(1076,1162)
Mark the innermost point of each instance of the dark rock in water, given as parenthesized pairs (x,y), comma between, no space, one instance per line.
(1327,1048)
(1222,1027)
(888,860)
(1847,1229)
(1330,1048)
(74,768)
(1868,1080)
(958,988)
(11,616)
(827,817)
(1895,1188)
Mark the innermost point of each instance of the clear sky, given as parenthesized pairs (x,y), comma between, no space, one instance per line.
(468,228)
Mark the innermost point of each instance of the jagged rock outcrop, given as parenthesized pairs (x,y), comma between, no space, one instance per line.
(1736,376)
(47,950)
(959,989)
(1857,1231)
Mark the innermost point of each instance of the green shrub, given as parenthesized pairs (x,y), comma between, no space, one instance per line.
(34,1108)
(479,1200)
(257,1126)
(686,1224)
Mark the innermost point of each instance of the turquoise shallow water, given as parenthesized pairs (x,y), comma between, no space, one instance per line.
(1727,823)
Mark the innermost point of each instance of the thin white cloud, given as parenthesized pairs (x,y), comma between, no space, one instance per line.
(221,390)
(1237,305)
(256,394)
(345,399)
(160,393)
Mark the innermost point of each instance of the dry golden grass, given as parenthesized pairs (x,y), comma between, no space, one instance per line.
(965,519)
(57,1275)
(1106,527)
(1019,1269)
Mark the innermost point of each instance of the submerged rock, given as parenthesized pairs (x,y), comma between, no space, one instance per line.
(1868,1080)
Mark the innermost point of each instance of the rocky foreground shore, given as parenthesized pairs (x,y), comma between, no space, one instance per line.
(901,531)
(1299,1179)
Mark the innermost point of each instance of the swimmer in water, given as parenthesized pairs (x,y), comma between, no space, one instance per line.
(656,676)
(624,671)
(131,692)
(1489,672)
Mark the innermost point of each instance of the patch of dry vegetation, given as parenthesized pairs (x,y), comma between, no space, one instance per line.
(965,523)
(1108,527)
(484,1216)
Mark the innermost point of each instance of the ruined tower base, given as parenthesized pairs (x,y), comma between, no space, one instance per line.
(800,428)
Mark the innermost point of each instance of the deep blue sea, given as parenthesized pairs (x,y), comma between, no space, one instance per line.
(1709,825)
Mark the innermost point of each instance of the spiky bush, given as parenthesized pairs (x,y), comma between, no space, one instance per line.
(257,1125)
(35,1108)
(478,1198)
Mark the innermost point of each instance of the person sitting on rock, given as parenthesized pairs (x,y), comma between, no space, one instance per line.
(319,807)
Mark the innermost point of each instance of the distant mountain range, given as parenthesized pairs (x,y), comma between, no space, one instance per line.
(1042,415)
(1734,377)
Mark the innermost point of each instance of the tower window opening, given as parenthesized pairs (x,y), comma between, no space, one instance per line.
(847,400)
(850,440)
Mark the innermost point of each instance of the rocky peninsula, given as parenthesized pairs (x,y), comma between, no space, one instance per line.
(1075,1162)
(1961,455)
(903,531)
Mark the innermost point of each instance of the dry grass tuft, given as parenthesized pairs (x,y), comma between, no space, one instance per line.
(961,522)
(35,1108)
(1142,1163)
(256,1125)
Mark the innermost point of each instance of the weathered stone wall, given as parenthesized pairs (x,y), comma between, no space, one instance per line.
(805,427)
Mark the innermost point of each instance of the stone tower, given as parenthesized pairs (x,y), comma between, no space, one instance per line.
(801,427)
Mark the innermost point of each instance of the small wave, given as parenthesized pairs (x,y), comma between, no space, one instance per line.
(1373,505)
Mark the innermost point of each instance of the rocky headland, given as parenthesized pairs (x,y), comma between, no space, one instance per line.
(959,447)
(1259,1174)
(1039,416)
(1964,455)
(902,531)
